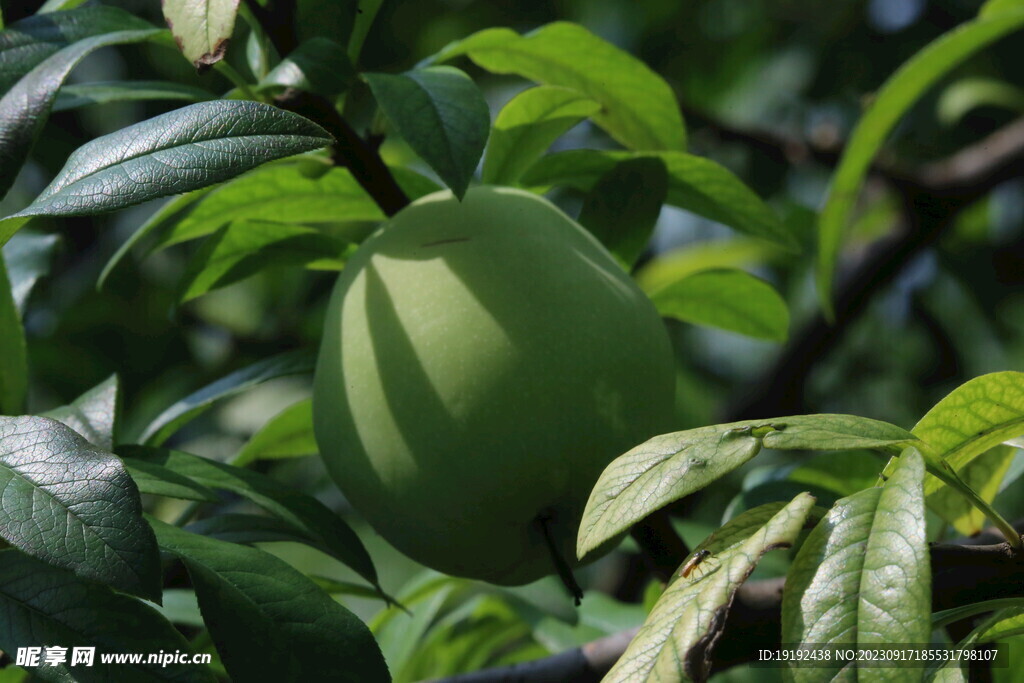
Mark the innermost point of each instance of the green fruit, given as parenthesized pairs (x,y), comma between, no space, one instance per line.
(481,364)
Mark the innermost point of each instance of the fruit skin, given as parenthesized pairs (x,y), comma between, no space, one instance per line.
(481,363)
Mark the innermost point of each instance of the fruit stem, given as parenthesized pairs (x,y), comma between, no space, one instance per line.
(561,566)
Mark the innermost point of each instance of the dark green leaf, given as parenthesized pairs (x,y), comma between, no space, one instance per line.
(74,506)
(862,578)
(527,126)
(46,606)
(172,210)
(93,414)
(623,206)
(318,65)
(361,26)
(86,94)
(249,529)
(182,150)
(268,621)
(157,480)
(201,28)
(440,112)
(670,466)
(283,365)
(694,183)
(244,248)
(288,434)
(284,194)
(26,43)
(28,257)
(729,299)
(894,98)
(13,354)
(745,525)
(306,514)
(25,107)
(676,639)
(638,108)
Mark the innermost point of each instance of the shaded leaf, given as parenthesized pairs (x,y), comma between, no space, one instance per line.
(157,480)
(244,248)
(306,514)
(74,506)
(249,529)
(182,150)
(638,108)
(201,28)
(676,640)
(181,412)
(526,127)
(267,619)
(667,467)
(25,107)
(729,299)
(284,194)
(28,256)
(13,352)
(44,605)
(93,414)
(361,26)
(87,94)
(863,576)
(318,65)
(694,183)
(287,435)
(893,99)
(26,43)
(623,206)
(441,113)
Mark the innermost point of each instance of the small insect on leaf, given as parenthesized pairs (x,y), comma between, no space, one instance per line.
(694,563)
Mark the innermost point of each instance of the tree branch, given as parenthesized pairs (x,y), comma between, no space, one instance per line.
(961,575)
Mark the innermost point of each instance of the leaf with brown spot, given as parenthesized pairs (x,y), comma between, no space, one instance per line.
(201,28)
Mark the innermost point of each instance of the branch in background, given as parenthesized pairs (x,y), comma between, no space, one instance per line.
(961,575)
(349,150)
(934,196)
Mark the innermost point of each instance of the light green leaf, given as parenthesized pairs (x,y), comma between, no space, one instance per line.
(623,207)
(26,43)
(282,365)
(668,467)
(307,515)
(694,183)
(28,257)
(13,353)
(675,642)
(266,618)
(93,414)
(984,474)
(638,108)
(104,92)
(976,416)
(729,299)
(182,150)
(863,576)
(527,126)
(244,248)
(1003,624)
(995,7)
(201,28)
(74,506)
(25,107)
(288,434)
(668,267)
(157,480)
(46,606)
(284,194)
(893,99)
(318,65)
(443,116)
(969,93)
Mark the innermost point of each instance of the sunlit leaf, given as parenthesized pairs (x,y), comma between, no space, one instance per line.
(201,28)
(93,414)
(287,435)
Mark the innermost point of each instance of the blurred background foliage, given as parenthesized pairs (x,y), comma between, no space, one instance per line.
(773,70)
